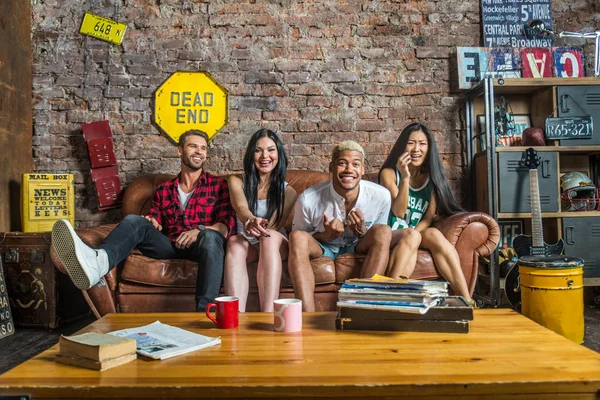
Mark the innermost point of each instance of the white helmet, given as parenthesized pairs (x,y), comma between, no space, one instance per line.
(578,192)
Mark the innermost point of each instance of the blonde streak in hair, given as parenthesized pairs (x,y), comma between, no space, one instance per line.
(350,145)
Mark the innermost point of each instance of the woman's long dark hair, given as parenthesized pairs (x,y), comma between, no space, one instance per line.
(276,193)
(445,202)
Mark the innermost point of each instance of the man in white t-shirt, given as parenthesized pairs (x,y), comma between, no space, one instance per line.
(344,215)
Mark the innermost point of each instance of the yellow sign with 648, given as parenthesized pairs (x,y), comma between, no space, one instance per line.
(102,28)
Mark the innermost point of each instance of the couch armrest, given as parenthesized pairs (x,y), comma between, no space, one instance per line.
(474,235)
(100,297)
(475,230)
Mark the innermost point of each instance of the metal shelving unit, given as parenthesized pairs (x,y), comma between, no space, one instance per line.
(485,89)
(483,164)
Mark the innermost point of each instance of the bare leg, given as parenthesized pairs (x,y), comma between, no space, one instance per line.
(273,250)
(375,244)
(303,247)
(239,252)
(446,260)
(403,258)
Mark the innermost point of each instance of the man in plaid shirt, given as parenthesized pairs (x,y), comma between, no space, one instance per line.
(191,218)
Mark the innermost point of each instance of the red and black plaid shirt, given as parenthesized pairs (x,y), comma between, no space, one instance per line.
(208,205)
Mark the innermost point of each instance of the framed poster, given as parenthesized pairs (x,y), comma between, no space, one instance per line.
(521,122)
(508,231)
(514,128)
(504,21)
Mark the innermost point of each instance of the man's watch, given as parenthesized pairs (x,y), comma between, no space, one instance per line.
(201,227)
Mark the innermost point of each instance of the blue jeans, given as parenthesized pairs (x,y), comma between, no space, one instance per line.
(208,251)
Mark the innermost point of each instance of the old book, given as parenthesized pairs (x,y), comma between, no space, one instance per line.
(402,325)
(452,308)
(71,359)
(96,346)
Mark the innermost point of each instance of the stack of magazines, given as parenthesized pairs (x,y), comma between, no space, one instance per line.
(380,292)
(382,303)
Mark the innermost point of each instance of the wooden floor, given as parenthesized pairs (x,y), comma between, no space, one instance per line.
(26,343)
(504,355)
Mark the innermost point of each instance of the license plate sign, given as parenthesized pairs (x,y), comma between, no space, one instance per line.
(102,28)
(569,128)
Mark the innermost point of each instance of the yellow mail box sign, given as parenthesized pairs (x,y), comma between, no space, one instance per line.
(46,198)
(102,28)
(190,100)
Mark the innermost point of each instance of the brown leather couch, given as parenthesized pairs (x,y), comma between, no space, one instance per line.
(142,284)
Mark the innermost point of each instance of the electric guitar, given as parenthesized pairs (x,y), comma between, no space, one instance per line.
(533,245)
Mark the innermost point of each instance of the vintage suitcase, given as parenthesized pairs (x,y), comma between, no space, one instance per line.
(452,316)
(402,325)
(40,295)
(453,308)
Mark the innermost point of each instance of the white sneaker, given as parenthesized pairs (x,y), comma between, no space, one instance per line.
(85,265)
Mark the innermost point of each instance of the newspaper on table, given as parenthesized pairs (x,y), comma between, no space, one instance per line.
(161,341)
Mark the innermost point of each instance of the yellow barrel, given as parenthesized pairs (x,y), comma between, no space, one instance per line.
(552,293)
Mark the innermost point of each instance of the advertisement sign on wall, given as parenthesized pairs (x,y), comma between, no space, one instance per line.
(504,22)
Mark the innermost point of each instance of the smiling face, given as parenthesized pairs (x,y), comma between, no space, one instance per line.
(417,148)
(266,156)
(347,170)
(193,152)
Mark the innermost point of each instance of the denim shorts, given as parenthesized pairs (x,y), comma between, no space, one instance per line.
(327,252)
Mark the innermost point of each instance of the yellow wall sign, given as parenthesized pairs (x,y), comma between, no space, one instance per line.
(190,100)
(46,198)
(102,28)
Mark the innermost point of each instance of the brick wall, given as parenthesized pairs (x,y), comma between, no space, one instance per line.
(315,71)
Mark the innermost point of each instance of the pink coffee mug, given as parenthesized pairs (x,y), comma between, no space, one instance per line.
(287,315)
(226,312)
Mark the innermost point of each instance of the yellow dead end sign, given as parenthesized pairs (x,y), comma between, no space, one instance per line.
(190,100)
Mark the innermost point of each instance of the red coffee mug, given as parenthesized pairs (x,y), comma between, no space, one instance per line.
(226,312)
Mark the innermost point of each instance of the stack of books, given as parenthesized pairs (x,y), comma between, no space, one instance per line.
(99,351)
(409,305)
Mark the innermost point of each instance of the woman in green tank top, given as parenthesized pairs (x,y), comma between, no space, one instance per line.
(413,174)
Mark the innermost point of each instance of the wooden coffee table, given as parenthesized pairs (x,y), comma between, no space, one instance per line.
(503,355)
